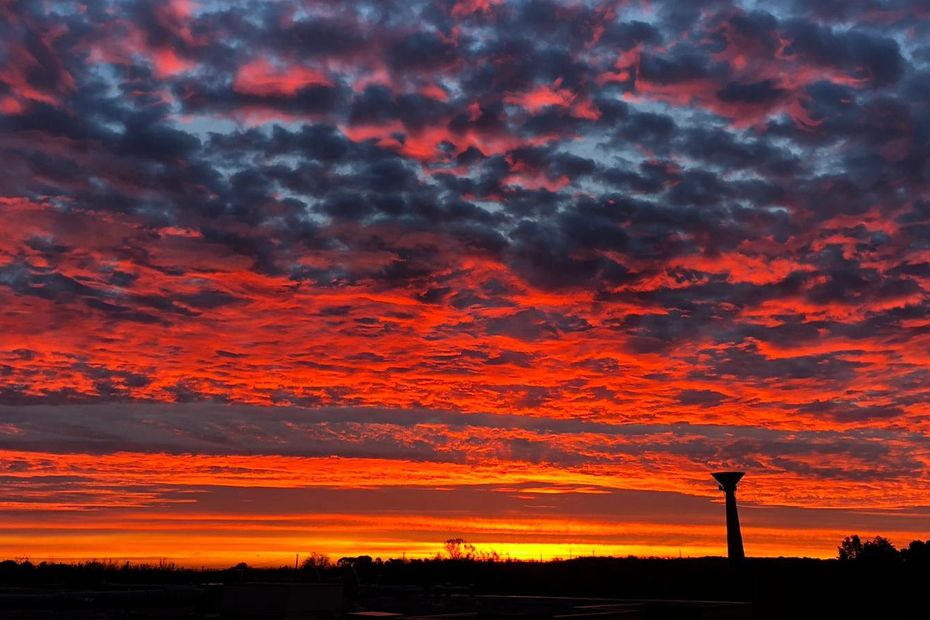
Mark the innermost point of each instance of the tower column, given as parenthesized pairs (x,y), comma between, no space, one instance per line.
(728,481)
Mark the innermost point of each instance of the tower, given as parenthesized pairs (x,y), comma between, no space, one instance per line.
(728,481)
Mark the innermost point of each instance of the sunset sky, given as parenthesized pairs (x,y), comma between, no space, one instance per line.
(359,277)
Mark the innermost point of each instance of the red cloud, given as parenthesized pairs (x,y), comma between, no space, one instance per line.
(262,77)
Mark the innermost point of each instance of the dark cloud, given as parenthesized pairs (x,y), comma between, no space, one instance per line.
(424,51)
(212,428)
(763,91)
(701,398)
(535,325)
(860,54)
(747,363)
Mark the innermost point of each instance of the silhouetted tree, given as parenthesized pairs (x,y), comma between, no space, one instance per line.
(459,549)
(315,565)
(318,561)
(879,550)
(850,548)
(917,553)
(489,556)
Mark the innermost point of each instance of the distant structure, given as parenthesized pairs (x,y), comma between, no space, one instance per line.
(728,481)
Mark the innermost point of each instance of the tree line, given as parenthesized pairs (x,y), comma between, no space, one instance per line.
(880,550)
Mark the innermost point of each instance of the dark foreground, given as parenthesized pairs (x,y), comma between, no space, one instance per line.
(359,588)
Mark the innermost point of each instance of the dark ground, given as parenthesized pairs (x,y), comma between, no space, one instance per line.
(776,587)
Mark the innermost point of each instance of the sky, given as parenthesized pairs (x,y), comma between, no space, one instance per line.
(360,277)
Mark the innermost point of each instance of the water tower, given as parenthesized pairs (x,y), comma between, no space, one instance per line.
(728,481)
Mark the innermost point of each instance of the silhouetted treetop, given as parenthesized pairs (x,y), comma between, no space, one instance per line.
(879,550)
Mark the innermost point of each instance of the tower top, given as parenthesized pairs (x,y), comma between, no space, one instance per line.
(728,479)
